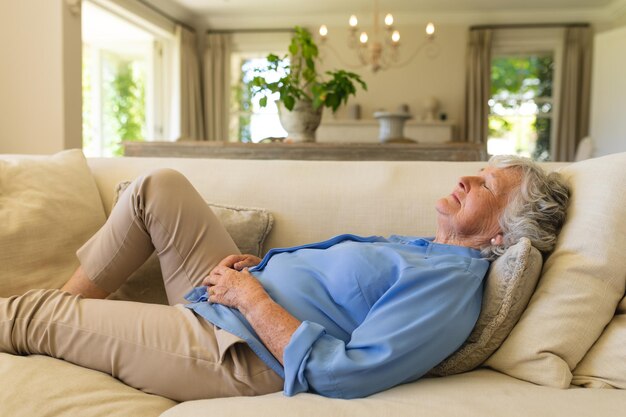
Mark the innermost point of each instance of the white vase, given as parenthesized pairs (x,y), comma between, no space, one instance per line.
(301,122)
(391,126)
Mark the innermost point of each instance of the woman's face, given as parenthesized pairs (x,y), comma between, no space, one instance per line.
(472,210)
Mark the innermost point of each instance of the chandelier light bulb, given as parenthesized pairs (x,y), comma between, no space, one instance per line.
(395,36)
(430,29)
(353,21)
(363,38)
(323,31)
(388,19)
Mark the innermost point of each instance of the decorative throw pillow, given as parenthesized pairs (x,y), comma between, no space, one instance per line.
(509,285)
(604,366)
(582,282)
(49,207)
(247,226)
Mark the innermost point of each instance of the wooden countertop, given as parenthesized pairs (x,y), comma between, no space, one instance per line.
(450,151)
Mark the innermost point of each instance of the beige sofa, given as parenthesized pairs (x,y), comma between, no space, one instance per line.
(565,356)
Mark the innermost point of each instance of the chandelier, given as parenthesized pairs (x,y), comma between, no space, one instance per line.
(379,49)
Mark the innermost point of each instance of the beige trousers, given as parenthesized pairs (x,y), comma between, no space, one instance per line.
(163,350)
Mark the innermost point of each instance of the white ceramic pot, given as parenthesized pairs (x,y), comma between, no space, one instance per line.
(301,122)
(391,125)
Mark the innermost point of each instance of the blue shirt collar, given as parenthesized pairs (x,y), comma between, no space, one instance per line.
(433,248)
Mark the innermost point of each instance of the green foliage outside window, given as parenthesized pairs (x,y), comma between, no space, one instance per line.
(248,121)
(515,80)
(242,101)
(121,92)
(545,71)
(127,105)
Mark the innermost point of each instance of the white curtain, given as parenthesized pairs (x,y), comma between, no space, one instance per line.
(575,92)
(478,85)
(191,113)
(217,85)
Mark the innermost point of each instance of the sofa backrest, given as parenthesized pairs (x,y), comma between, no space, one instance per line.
(311,200)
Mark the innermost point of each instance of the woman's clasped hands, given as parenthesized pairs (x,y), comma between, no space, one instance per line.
(231,284)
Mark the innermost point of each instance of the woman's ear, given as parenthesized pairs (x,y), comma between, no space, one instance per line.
(497,240)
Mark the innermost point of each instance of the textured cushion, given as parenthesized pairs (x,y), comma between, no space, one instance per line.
(46,387)
(604,366)
(510,282)
(49,206)
(247,226)
(582,283)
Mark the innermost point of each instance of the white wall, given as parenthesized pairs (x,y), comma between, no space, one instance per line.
(441,76)
(608,92)
(40,77)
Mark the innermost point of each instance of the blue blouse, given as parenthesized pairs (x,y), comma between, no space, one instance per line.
(375,312)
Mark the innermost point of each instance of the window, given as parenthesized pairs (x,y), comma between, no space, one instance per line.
(520,118)
(523,94)
(249,122)
(254,123)
(124,93)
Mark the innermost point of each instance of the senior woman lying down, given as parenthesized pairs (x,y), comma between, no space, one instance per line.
(346,317)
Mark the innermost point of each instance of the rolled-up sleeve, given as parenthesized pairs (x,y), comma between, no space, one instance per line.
(413,327)
(297,355)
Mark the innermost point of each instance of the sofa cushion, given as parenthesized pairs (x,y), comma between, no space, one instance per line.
(509,285)
(583,280)
(604,366)
(481,393)
(49,206)
(246,225)
(46,387)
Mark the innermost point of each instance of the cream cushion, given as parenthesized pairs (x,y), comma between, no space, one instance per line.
(481,393)
(311,200)
(49,387)
(48,208)
(604,366)
(510,282)
(247,226)
(582,282)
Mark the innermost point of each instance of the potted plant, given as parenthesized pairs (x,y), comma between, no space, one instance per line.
(303,91)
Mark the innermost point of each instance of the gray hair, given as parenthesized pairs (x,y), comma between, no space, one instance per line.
(536,210)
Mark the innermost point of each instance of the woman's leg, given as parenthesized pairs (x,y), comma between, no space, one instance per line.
(164,350)
(161,211)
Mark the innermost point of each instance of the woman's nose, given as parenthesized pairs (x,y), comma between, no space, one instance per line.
(464,183)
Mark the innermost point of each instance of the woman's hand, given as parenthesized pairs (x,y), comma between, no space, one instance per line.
(232,288)
(241,290)
(239,262)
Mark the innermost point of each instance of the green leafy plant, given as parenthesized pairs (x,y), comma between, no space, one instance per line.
(302,80)
(515,80)
(128,104)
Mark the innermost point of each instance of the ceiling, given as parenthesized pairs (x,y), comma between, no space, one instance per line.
(98,24)
(348,6)
(273,13)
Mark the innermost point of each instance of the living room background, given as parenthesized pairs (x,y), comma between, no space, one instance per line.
(53,97)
